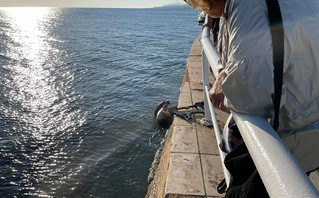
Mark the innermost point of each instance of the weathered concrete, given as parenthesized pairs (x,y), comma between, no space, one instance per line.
(184,175)
(189,159)
(212,174)
(184,140)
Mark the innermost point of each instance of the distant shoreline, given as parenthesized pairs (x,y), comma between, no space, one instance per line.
(158,8)
(175,6)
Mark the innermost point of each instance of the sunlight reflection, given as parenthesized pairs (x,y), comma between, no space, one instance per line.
(33,62)
(31,50)
(42,105)
(29,31)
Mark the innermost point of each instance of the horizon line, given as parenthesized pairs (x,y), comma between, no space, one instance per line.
(40,6)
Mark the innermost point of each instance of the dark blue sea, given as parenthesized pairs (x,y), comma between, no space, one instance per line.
(77,92)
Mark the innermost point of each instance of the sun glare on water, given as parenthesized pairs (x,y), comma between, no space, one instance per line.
(33,60)
(28,29)
(29,51)
(36,87)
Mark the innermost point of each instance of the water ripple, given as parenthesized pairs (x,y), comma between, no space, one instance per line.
(77,93)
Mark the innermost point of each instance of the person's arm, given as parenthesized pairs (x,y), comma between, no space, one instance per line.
(208,24)
(247,62)
(216,94)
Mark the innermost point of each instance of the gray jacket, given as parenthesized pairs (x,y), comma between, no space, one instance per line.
(246,55)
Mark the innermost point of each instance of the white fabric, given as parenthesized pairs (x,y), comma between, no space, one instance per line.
(230,142)
(246,54)
(227,137)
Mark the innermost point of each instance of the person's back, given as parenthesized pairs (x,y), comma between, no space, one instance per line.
(299,115)
(301,71)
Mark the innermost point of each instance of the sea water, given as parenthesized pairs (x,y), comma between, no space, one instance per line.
(77,92)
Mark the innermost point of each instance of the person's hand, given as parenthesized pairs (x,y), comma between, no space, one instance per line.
(216,94)
(208,24)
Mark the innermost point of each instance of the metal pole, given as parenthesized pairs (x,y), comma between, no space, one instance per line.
(277,167)
(218,136)
(205,74)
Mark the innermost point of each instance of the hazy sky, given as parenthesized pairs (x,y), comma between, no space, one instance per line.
(89,3)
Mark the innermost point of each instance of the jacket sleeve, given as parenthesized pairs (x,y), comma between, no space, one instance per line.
(249,84)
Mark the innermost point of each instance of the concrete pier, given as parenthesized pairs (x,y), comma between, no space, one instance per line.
(188,165)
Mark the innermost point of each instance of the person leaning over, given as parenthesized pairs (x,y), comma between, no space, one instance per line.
(245,82)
